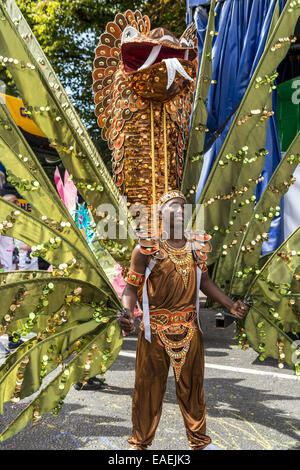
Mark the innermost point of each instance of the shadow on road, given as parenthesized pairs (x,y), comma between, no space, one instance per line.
(228,401)
(229,398)
(69,430)
(250,405)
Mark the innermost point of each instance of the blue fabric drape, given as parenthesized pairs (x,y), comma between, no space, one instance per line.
(201,17)
(243,28)
(276,232)
(2,177)
(242,32)
(190,5)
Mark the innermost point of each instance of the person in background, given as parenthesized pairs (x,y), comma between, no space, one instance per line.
(26,263)
(15,256)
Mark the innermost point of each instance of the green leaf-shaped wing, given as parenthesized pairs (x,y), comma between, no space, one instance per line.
(240,257)
(81,357)
(272,325)
(52,111)
(194,154)
(71,312)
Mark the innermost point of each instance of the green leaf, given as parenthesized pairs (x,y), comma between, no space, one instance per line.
(50,397)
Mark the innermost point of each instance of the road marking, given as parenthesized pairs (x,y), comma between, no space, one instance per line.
(68,434)
(127,354)
(251,371)
(232,369)
(107,442)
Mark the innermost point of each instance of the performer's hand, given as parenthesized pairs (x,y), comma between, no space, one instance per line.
(127,324)
(239,309)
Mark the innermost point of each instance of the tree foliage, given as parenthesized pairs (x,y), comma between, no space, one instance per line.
(168,14)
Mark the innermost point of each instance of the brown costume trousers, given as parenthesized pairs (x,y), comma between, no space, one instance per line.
(152,367)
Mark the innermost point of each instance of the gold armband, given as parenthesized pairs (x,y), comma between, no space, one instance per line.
(133,278)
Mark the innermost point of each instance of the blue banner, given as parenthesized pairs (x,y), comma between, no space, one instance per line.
(2,178)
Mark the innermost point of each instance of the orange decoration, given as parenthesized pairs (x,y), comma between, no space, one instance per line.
(145,146)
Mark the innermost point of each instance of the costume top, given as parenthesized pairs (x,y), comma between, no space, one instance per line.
(170,298)
(166,287)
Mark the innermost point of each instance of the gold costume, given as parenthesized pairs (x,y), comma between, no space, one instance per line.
(176,340)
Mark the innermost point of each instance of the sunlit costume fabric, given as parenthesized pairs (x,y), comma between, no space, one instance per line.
(176,339)
(144,82)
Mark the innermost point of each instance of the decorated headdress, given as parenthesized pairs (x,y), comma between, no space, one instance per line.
(144,82)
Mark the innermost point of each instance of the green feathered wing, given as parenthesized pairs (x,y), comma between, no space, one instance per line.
(69,313)
(238,166)
(51,109)
(272,325)
(237,224)
(194,154)
(72,311)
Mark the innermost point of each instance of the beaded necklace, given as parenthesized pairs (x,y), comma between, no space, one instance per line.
(182,265)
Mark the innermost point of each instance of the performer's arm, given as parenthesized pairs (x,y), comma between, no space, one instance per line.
(211,290)
(134,280)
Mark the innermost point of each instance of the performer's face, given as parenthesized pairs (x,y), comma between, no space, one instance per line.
(172,215)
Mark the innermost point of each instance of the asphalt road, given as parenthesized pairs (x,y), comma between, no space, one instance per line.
(250,405)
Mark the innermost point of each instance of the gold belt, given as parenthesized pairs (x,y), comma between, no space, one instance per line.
(162,321)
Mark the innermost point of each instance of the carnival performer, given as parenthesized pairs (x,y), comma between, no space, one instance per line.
(170,331)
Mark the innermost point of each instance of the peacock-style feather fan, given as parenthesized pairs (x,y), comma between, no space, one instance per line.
(71,312)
